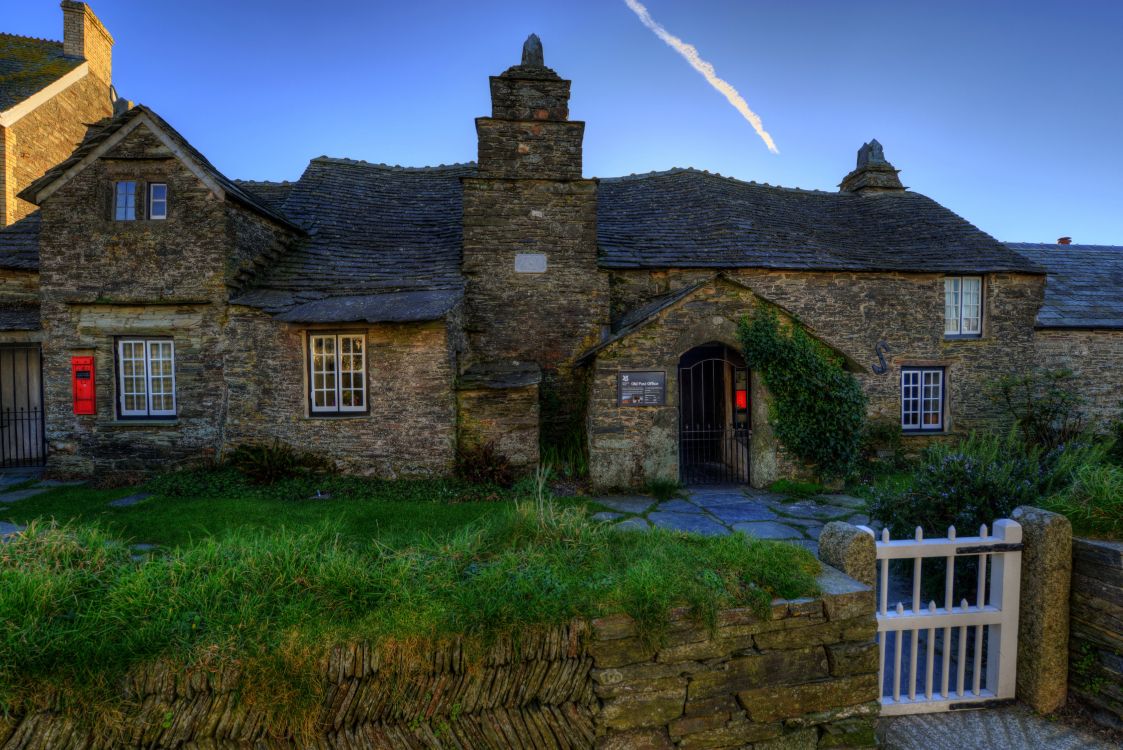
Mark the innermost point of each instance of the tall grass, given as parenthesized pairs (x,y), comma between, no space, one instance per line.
(77,612)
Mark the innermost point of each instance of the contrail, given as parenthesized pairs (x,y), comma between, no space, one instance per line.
(706,69)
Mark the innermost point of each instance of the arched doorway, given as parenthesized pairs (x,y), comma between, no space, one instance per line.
(714,424)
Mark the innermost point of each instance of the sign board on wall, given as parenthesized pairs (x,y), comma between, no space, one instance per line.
(645,388)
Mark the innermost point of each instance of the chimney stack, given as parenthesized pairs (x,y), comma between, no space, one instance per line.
(1064,241)
(84,36)
(873,174)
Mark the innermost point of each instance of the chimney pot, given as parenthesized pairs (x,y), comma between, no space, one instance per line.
(1064,241)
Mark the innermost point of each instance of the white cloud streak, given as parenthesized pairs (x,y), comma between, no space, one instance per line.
(690,53)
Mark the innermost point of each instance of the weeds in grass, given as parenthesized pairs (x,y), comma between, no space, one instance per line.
(664,489)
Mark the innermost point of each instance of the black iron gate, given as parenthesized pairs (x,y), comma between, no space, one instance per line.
(714,428)
(22,436)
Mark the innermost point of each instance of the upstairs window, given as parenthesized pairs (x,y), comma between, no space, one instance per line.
(963,306)
(922,399)
(124,201)
(146,377)
(337,373)
(157,200)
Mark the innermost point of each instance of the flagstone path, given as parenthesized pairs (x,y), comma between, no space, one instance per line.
(726,509)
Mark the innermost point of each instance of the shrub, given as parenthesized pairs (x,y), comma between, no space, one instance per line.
(1044,406)
(1115,432)
(266,464)
(1093,501)
(979,480)
(664,489)
(482,463)
(881,441)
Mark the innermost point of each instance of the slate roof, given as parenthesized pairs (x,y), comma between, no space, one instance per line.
(99,135)
(19,318)
(19,244)
(687,218)
(1084,287)
(386,240)
(28,66)
(272,194)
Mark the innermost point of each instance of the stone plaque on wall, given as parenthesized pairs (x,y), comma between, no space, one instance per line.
(530,263)
(645,388)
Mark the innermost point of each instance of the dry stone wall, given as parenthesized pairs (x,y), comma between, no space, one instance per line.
(1095,674)
(803,676)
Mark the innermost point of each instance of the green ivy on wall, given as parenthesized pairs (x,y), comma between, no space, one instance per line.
(818,410)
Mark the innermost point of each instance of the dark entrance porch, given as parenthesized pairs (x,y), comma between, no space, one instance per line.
(714,426)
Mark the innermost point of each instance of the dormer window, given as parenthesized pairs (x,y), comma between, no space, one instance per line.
(124,201)
(157,200)
(963,306)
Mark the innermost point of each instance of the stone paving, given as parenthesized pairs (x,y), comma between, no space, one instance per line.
(1009,728)
(8,495)
(724,510)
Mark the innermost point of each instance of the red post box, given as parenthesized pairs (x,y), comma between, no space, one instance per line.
(82,379)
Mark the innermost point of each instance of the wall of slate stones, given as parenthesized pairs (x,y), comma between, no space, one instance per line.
(46,136)
(1091,356)
(802,677)
(410,427)
(849,312)
(507,417)
(1095,675)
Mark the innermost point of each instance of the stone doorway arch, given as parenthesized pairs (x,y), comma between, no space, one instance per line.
(714,416)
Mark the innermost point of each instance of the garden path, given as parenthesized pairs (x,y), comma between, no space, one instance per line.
(716,510)
(1011,728)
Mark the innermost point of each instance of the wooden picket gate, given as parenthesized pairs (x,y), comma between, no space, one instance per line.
(952,681)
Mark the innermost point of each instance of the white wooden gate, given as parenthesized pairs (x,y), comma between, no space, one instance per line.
(953,681)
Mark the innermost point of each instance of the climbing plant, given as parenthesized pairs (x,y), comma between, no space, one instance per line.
(818,410)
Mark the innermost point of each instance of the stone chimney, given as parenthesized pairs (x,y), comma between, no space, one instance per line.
(1064,240)
(873,174)
(84,36)
(529,134)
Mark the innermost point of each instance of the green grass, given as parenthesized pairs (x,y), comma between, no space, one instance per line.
(190,506)
(795,490)
(264,580)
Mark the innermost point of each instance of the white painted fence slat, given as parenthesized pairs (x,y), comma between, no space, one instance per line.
(995,613)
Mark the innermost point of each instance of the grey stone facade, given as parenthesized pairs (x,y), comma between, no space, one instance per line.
(496,301)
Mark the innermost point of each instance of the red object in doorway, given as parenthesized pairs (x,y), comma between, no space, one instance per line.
(82,380)
(742,397)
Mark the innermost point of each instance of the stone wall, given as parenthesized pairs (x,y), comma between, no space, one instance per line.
(507,417)
(1091,356)
(46,136)
(849,312)
(411,425)
(1095,674)
(803,677)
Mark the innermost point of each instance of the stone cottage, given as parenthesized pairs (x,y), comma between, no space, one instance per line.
(382,316)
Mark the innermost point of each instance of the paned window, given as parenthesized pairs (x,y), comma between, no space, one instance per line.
(157,200)
(124,200)
(922,398)
(963,306)
(146,377)
(337,373)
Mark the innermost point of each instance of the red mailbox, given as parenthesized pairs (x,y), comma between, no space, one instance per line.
(82,379)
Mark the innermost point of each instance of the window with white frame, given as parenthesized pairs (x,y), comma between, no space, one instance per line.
(124,200)
(157,200)
(337,373)
(146,377)
(963,306)
(922,398)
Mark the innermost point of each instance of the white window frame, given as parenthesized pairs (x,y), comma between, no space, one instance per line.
(957,322)
(336,388)
(150,348)
(130,200)
(153,201)
(923,393)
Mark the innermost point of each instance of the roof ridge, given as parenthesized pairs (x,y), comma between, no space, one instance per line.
(391,167)
(33,38)
(719,175)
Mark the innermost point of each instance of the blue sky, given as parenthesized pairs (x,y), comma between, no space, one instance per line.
(1009,113)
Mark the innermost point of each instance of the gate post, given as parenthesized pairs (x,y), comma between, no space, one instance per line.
(1043,629)
(1002,640)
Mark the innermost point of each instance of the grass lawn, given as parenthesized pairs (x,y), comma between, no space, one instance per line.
(191,506)
(267,580)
